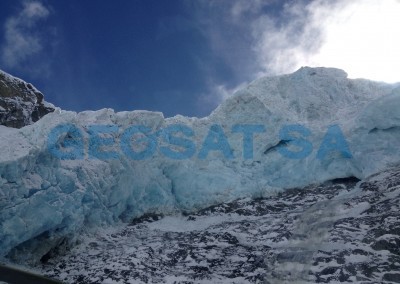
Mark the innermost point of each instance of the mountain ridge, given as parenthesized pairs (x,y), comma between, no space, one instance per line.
(21,104)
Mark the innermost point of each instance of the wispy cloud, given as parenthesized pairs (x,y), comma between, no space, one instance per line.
(268,37)
(215,95)
(22,39)
(230,41)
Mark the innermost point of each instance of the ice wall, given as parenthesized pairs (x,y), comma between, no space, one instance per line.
(45,200)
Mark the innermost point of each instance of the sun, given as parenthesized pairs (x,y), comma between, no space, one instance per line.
(363,38)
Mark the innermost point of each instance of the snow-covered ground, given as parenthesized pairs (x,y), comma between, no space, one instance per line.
(342,231)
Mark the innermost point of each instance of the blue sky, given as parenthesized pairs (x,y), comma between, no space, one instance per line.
(126,55)
(176,56)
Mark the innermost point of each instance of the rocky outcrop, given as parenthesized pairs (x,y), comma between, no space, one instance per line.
(21,103)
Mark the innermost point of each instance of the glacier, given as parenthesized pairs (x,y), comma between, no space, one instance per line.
(46,201)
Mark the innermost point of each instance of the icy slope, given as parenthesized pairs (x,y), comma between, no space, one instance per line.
(45,201)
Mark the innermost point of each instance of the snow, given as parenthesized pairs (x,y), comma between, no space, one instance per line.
(309,238)
(44,197)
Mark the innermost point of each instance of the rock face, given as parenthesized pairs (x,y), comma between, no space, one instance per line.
(21,103)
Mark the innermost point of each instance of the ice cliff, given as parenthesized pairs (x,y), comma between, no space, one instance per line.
(46,201)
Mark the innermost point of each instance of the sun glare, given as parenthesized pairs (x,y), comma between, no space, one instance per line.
(362,38)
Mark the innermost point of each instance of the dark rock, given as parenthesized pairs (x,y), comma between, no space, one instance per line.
(392,277)
(21,103)
(391,244)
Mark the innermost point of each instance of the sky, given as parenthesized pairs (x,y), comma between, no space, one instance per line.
(186,56)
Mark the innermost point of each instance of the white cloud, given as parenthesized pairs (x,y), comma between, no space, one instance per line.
(362,37)
(241,7)
(264,37)
(216,94)
(21,39)
(280,47)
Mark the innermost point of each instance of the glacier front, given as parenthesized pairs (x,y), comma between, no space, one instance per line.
(46,201)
